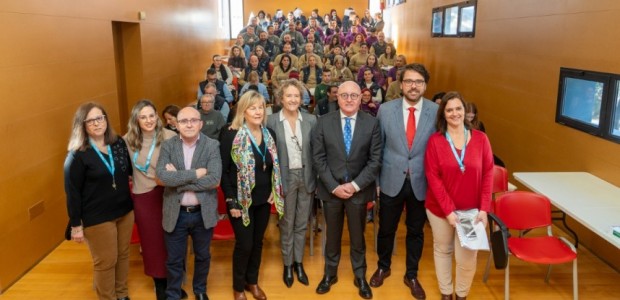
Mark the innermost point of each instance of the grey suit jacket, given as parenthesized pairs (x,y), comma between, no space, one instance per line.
(307,125)
(332,164)
(206,155)
(397,157)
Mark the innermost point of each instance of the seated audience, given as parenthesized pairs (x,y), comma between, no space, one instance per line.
(399,62)
(253,66)
(253,81)
(372,65)
(282,71)
(368,105)
(340,72)
(312,74)
(359,59)
(388,57)
(369,83)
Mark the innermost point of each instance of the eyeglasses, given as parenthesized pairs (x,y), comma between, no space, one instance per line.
(297,145)
(345,96)
(186,122)
(409,82)
(98,120)
(207,102)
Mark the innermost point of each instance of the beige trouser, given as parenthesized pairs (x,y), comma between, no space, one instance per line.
(446,242)
(109,247)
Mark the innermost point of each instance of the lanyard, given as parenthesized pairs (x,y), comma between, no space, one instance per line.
(145,168)
(109,165)
(459,160)
(265,136)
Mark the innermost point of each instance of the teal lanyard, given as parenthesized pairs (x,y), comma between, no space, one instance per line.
(262,153)
(145,168)
(459,160)
(109,165)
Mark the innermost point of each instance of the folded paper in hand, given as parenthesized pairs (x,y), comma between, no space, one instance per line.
(472,235)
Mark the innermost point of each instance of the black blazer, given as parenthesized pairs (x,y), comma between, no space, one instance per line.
(332,164)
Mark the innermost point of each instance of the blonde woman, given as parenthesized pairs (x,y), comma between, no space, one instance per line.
(251,182)
(145,133)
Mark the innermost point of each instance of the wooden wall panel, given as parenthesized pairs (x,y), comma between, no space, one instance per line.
(511,70)
(324,6)
(55,55)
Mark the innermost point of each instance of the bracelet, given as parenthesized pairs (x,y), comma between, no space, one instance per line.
(232,205)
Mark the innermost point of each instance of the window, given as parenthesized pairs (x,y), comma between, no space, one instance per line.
(590,101)
(455,20)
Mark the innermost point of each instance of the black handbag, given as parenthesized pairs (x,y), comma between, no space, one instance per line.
(499,241)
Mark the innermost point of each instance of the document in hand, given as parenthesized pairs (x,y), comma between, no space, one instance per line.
(471,235)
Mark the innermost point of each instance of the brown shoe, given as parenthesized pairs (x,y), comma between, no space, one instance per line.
(239,295)
(256,291)
(416,288)
(446,297)
(377,278)
(461,298)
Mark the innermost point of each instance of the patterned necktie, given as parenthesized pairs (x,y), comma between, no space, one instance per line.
(347,135)
(411,127)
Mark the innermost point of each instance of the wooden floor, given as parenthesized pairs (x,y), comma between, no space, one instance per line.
(67,274)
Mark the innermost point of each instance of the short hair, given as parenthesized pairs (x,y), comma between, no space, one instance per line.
(439,96)
(211,71)
(418,68)
(287,83)
(442,124)
(248,99)
(79,141)
(134,132)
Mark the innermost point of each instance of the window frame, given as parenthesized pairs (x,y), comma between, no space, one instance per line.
(460,6)
(610,102)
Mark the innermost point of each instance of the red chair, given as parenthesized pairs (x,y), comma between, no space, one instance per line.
(500,186)
(521,210)
(223,229)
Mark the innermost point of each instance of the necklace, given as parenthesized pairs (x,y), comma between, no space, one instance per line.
(145,168)
(109,165)
(459,160)
(262,153)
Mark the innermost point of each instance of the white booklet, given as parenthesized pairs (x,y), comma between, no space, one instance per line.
(472,235)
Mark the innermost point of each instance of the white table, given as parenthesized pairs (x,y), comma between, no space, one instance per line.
(588,199)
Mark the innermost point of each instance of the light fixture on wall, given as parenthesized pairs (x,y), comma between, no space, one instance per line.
(141,15)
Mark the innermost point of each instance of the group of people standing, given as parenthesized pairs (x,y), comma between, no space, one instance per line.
(426,159)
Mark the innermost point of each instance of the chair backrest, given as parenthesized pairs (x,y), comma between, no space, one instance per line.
(522,210)
(500,179)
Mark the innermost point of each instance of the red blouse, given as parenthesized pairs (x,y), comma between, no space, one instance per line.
(449,188)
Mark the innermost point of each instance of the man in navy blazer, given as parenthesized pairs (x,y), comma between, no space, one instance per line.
(346,180)
(402,181)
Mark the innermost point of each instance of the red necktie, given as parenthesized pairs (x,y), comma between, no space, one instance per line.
(411,127)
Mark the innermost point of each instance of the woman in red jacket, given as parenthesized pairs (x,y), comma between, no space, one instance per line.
(459,170)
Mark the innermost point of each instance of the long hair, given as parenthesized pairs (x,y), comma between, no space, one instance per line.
(375,66)
(442,124)
(78,141)
(134,132)
(248,99)
(392,54)
(471,107)
(241,52)
(290,63)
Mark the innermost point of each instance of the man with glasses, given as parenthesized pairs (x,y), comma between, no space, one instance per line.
(220,104)
(212,121)
(406,125)
(347,157)
(190,167)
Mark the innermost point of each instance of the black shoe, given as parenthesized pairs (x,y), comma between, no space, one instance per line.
(364,289)
(326,284)
(287,276)
(202,296)
(124,298)
(301,274)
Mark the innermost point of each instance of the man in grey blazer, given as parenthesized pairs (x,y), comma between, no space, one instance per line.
(190,167)
(406,125)
(347,158)
(293,133)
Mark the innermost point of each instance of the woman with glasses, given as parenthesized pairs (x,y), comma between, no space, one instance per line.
(251,182)
(145,133)
(293,132)
(96,172)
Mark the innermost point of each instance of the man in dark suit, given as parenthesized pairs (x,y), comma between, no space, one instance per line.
(190,166)
(406,125)
(347,157)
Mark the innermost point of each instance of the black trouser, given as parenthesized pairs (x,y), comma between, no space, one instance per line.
(249,245)
(335,212)
(390,209)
